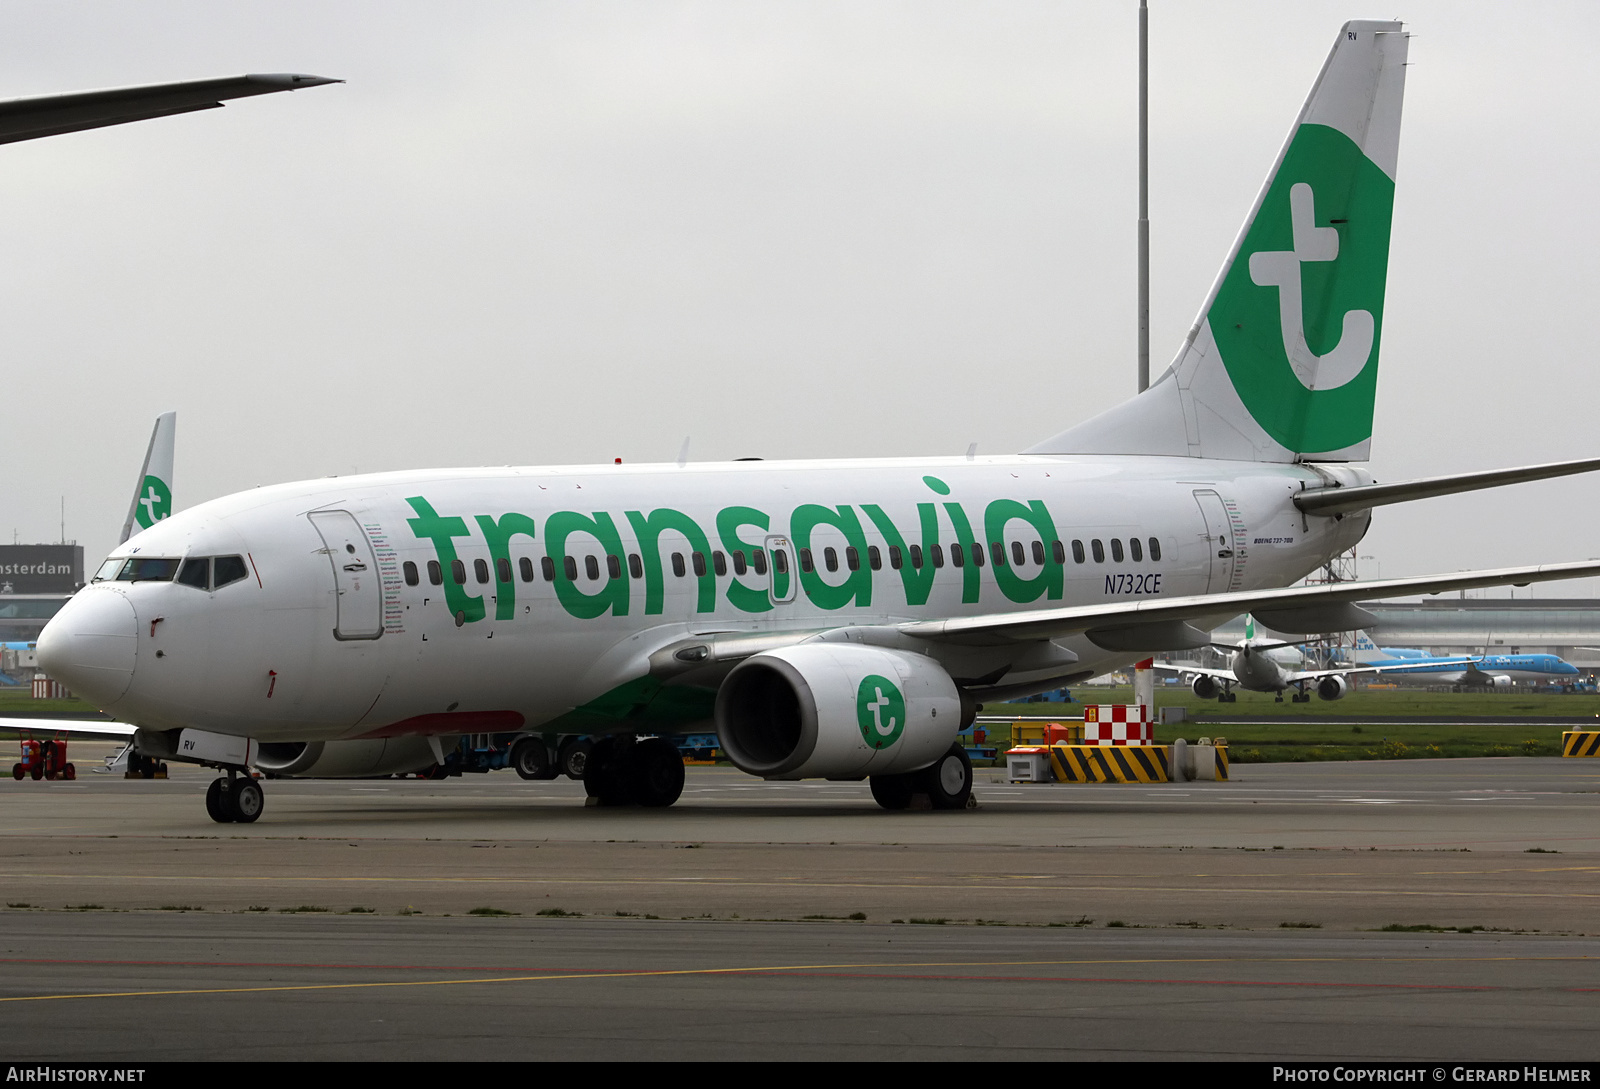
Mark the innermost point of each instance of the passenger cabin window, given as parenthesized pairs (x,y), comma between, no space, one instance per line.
(1099,550)
(719,563)
(1018,558)
(998,551)
(1155,549)
(739,564)
(435,573)
(481,569)
(937,552)
(805,561)
(699,559)
(547,566)
(635,565)
(977,554)
(502,568)
(1077,551)
(1135,549)
(569,567)
(1116,549)
(458,571)
(591,567)
(410,570)
(916,557)
(830,558)
(852,558)
(1058,551)
(614,566)
(957,558)
(874,558)
(895,559)
(525,567)
(677,565)
(758,560)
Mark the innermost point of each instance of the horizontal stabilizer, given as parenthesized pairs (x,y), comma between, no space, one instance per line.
(1366,496)
(52,115)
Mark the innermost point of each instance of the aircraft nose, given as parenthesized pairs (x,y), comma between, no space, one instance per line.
(90,645)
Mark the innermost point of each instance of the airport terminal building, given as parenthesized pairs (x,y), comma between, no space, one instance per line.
(35,581)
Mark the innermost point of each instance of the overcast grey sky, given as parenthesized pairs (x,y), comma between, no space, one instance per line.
(530,233)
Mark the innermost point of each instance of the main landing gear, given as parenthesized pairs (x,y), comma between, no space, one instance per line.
(234,799)
(621,771)
(532,760)
(947,783)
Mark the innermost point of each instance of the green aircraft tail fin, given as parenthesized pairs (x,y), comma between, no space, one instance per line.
(1282,363)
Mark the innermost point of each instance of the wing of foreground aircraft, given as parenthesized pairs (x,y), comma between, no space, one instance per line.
(1163,624)
(52,115)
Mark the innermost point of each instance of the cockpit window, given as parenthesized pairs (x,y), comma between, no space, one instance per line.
(196,573)
(109,569)
(147,569)
(227,569)
(212,573)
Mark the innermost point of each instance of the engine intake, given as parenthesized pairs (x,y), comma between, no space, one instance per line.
(836,711)
(1333,688)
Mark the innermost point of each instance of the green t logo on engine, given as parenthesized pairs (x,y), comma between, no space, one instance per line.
(880,711)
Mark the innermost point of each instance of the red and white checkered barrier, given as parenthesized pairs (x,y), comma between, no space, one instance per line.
(46,689)
(1118,724)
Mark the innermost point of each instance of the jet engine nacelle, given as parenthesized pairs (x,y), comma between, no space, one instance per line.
(357,759)
(1206,688)
(1498,680)
(837,712)
(1333,688)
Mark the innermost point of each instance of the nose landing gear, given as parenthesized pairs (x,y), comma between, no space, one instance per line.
(234,800)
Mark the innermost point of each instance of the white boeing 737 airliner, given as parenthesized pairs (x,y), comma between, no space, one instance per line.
(838,619)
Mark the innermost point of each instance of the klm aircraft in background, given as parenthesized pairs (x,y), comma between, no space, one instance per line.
(1413,667)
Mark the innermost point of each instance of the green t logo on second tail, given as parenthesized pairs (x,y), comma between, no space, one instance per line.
(155,502)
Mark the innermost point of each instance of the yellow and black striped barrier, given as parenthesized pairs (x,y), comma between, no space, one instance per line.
(1580,743)
(1109,763)
(1123,763)
(1222,761)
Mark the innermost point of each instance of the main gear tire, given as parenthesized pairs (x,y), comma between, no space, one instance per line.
(948,781)
(657,772)
(893,792)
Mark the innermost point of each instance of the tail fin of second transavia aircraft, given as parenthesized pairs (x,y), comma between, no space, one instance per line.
(1282,363)
(152,496)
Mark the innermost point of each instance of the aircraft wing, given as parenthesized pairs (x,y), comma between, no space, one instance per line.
(1196,671)
(51,115)
(1155,624)
(1318,674)
(83,728)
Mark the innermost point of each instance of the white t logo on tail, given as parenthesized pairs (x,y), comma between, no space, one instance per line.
(1281,269)
(150,501)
